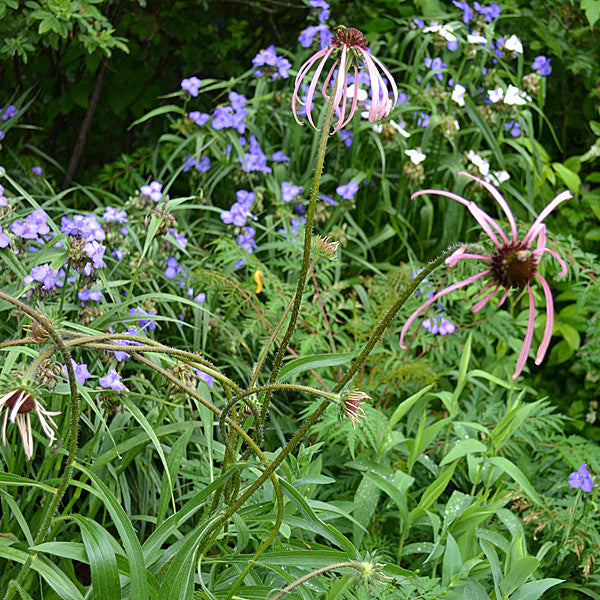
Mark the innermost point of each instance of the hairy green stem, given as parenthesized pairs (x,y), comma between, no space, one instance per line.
(321,408)
(258,366)
(310,215)
(304,578)
(263,546)
(389,315)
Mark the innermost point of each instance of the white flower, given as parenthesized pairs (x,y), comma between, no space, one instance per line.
(444,31)
(481,163)
(513,44)
(495,95)
(399,127)
(515,96)
(416,156)
(498,177)
(476,38)
(361,96)
(377,127)
(458,94)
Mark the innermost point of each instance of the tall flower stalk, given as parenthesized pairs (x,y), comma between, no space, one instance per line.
(350,50)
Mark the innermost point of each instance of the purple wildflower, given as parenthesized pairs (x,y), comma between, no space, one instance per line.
(280,156)
(467,10)
(10,111)
(80,371)
(289,191)
(153,190)
(32,226)
(542,65)
(112,380)
(199,118)
(581,479)
(324,6)
(85,294)
(191,85)
(347,190)
(87,226)
(116,215)
(435,64)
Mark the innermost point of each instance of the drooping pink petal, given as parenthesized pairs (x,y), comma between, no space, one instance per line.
(342,112)
(327,80)
(481,303)
(452,260)
(566,195)
(499,199)
(311,90)
(528,335)
(556,255)
(434,298)
(374,77)
(19,401)
(486,222)
(503,298)
(389,78)
(549,321)
(304,69)
(354,102)
(4,427)
(340,82)
(384,99)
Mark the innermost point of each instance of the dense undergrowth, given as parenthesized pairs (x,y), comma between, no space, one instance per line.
(222,403)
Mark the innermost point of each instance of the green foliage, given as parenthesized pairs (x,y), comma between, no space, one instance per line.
(441,476)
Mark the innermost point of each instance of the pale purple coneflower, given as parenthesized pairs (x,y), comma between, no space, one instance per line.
(513,264)
(19,404)
(349,46)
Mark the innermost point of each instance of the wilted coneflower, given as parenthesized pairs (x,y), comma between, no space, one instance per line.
(513,264)
(351,405)
(350,49)
(19,404)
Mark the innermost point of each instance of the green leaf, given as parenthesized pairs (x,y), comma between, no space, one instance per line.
(395,486)
(316,361)
(474,591)
(407,404)
(492,556)
(178,581)
(161,110)
(570,178)
(131,544)
(532,590)
(452,562)
(102,558)
(592,11)
(461,449)
(434,491)
(141,419)
(517,475)
(327,531)
(59,581)
(174,464)
(462,375)
(570,335)
(519,572)
(485,130)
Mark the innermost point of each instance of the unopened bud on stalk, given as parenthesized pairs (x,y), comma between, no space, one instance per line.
(324,247)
